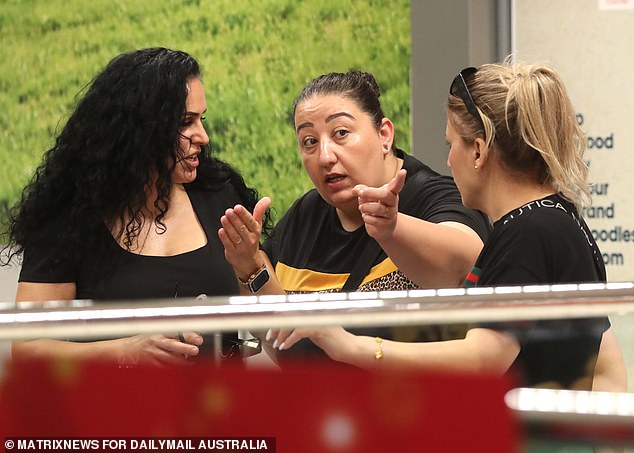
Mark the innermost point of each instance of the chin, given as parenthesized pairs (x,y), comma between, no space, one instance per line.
(342,202)
(184,178)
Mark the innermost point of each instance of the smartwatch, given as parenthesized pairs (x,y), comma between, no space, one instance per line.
(257,280)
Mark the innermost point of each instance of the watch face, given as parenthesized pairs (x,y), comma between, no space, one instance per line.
(260,280)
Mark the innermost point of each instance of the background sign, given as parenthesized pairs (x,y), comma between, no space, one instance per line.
(591,44)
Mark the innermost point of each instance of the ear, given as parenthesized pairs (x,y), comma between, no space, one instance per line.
(480,153)
(386,134)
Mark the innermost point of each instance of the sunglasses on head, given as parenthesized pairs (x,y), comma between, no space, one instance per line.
(459,89)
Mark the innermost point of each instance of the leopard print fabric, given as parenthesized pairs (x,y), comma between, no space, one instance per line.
(394,281)
(397,281)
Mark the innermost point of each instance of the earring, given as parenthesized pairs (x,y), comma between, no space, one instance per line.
(385,147)
(476,167)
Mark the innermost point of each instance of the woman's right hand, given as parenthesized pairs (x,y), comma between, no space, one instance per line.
(240,236)
(159,349)
(379,205)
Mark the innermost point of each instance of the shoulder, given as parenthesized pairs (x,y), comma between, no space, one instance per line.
(42,263)
(541,242)
(543,226)
(422,178)
(300,224)
(547,217)
(223,193)
(310,203)
(418,170)
(308,211)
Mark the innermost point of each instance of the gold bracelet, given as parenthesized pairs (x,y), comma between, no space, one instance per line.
(378,355)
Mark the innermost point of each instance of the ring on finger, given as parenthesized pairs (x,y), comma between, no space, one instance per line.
(243,228)
(238,241)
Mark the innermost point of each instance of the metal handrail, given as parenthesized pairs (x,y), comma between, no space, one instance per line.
(90,319)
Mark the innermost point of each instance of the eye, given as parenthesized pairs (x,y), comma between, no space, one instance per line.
(341,133)
(308,141)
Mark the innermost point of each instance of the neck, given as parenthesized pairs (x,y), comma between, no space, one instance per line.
(513,195)
(177,191)
(350,218)
(394,164)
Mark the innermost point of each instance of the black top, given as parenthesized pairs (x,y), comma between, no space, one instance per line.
(545,242)
(119,274)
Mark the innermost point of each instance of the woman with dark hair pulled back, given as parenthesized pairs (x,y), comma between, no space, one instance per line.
(377,217)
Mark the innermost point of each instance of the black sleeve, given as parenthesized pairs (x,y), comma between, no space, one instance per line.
(272,244)
(40,264)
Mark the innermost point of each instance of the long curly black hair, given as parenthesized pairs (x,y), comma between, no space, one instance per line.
(122,137)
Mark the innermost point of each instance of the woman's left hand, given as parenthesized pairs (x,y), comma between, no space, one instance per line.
(379,205)
(240,235)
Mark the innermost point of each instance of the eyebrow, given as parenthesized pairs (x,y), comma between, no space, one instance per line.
(328,119)
(189,113)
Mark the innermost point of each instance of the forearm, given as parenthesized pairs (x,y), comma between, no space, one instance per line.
(109,351)
(432,255)
(482,350)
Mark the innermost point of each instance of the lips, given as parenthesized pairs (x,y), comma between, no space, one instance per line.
(333,178)
(191,160)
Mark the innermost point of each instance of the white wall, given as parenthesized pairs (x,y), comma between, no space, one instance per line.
(445,37)
(8,282)
(8,285)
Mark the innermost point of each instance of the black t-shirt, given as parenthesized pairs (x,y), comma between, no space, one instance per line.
(117,274)
(545,242)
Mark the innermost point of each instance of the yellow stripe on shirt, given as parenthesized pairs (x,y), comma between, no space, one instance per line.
(306,280)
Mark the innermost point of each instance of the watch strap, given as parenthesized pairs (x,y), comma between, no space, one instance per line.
(257,280)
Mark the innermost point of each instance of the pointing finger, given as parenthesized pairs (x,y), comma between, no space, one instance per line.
(396,184)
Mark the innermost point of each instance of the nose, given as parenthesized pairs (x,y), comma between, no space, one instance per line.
(200,136)
(327,154)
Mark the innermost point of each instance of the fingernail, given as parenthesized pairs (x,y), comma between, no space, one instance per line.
(268,335)
(282,346)
(275,344)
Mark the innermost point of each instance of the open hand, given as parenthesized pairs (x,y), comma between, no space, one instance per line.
(240,236)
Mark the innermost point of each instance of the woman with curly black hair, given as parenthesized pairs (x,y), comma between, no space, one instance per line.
(127,205)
